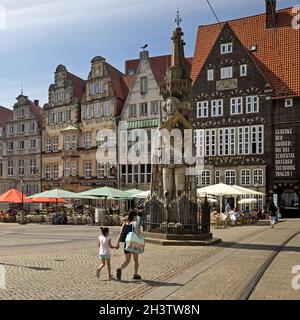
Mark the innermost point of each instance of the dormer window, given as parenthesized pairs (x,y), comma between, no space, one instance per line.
(101,86)
(21,113)
(226,73)
(226,48)
(288,103)
(210,75)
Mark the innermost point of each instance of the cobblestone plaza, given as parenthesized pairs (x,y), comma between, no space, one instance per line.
(59,262)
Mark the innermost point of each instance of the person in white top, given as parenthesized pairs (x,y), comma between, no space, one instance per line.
(104,245)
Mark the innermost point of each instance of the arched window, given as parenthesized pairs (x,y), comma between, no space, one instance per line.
(230,177)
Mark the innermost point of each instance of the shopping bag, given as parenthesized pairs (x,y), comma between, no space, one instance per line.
(135,243)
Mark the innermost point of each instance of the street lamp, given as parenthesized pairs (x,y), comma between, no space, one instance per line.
(256,184)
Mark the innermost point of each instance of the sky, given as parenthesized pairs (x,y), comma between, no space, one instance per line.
(38,35)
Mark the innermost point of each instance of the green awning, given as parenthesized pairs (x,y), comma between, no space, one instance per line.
(142,124)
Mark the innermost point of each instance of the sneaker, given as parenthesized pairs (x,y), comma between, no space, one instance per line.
(137,277)
(119,274)
(98,273)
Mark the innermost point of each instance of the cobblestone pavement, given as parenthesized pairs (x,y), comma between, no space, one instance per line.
(227,274)
(59,262)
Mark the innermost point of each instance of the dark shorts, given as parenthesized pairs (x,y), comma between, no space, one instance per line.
(125,251)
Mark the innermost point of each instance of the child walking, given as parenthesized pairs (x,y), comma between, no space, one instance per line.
(104,245)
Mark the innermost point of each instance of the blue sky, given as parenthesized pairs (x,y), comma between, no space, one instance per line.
(40,34)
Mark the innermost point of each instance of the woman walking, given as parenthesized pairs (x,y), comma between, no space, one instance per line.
(273,214)
(129,226)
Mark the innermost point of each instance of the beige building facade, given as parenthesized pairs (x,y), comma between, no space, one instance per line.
(22,147)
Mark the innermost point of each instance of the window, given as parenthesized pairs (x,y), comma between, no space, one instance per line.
(258,177)
(111,169)
(226,73)
(199,142)
(244,140)
(98,110)
(60,117)
(47,172)
(55,144)
(10,145)
(93,88)
(55,171)
(22,145)
(227,141)
(257,139)
(22,128)
(202,109)
(32,127)
(143,85)
(143,109)
(87,168)
(73,168)
(67,169)
(33,144)
(51,118)
(243,70)
(210,142)
(48,145)
(154,107)
(252,104)
(101,87)
(205,178)
(246,177)
(210,75)
(11,129)
(68,115)
(288,103)
(88,112)
(106,108)
(217,177)
(217,108)
(21,167)
(10,168)
(132,110)
(33,166)
(236,106)
(100,169)
(67,142)
(226,48)
(230,177)
(87,140)
(74,142)
(21,113)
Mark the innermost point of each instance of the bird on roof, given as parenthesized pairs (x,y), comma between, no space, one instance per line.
(145,46)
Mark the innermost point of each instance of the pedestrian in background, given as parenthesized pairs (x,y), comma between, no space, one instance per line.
(272,213)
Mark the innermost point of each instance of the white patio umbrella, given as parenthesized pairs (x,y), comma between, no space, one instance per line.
(142,195)
(248,191)
(220,190)
(247,201)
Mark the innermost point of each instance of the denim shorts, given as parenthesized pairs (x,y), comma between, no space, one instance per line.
(104,256)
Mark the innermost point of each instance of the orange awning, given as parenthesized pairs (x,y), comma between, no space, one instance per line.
(13,196)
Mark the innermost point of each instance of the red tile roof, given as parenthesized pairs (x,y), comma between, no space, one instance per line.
(277,54)
(159,66)
(78,85)
(4,115)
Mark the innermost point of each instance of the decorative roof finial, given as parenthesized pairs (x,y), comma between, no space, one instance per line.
(22,91)
(178,19)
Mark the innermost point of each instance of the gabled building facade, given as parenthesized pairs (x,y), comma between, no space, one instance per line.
(246,93)
(22,147)
(142,112)
(102,103)
(61,134)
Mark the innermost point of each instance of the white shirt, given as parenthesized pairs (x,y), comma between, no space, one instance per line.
(104,246)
